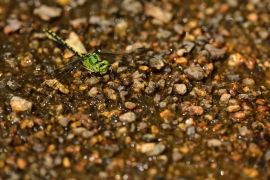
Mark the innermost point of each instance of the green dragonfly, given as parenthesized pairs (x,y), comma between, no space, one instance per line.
(92,61)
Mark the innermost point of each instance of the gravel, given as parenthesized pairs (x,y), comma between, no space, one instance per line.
(187,92)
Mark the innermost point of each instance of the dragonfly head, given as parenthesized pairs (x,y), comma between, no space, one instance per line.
(101,67)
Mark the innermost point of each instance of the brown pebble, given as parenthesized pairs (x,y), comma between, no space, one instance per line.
(233,108)
(167,116)
(21,163)
(66,162)
(248,82)
(180,89)
(262,108)
(130,105)
(236,59)
(239,116)
(197,110)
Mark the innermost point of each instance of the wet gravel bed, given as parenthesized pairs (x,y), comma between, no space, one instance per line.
(186,96)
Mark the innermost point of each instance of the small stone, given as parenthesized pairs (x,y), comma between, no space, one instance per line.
(224,99)
(236,59)
(132,6)
(233,108)
(251,173)
(47,12)
(79,130)
(179,29)
(197,110)
(66,162)
(239,116)
(215,53)
(176,155)
(159,14)
(167,115)
(138,84)
(121,28)
(248,82)
(165,126)
(214,143)
(243,131)
(149,138)
(128,117)
(96,20)
(180,88)
(130,105)
(13,26)
(151,149)
(21,163)
(157,62)
(63,2)
(55,84)
(19,105)
(163,34)
(92,81)
(112,94)
(194,73)
(64,121)
(87,134)
(188,45)
(93,92)
(79,22)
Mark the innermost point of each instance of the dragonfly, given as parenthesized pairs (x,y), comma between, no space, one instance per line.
(91,61)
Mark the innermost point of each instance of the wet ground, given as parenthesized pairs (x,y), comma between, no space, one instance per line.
(186,95)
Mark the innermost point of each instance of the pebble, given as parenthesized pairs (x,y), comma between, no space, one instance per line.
(96,20)
(236,59)
(66,162)
(55,84)
(194,73)
(64,121)
(19,105)
(248,82)
(188,45)
(93,92)
(22,164)
(12,26)
(112,94)
(163,34)
(224,99)
(167,116)
(157,62)
(121,28)
(214,143)
(215,53)
(92,81)
(243,131)
(250,173)
(165,126)
(130,105)
(180,89)
(149,138)
(132,6)
(128,117)
(151,149)
(233,108)
(239,116)
(193,110)
(79,22)
(46,12)
(159,14)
